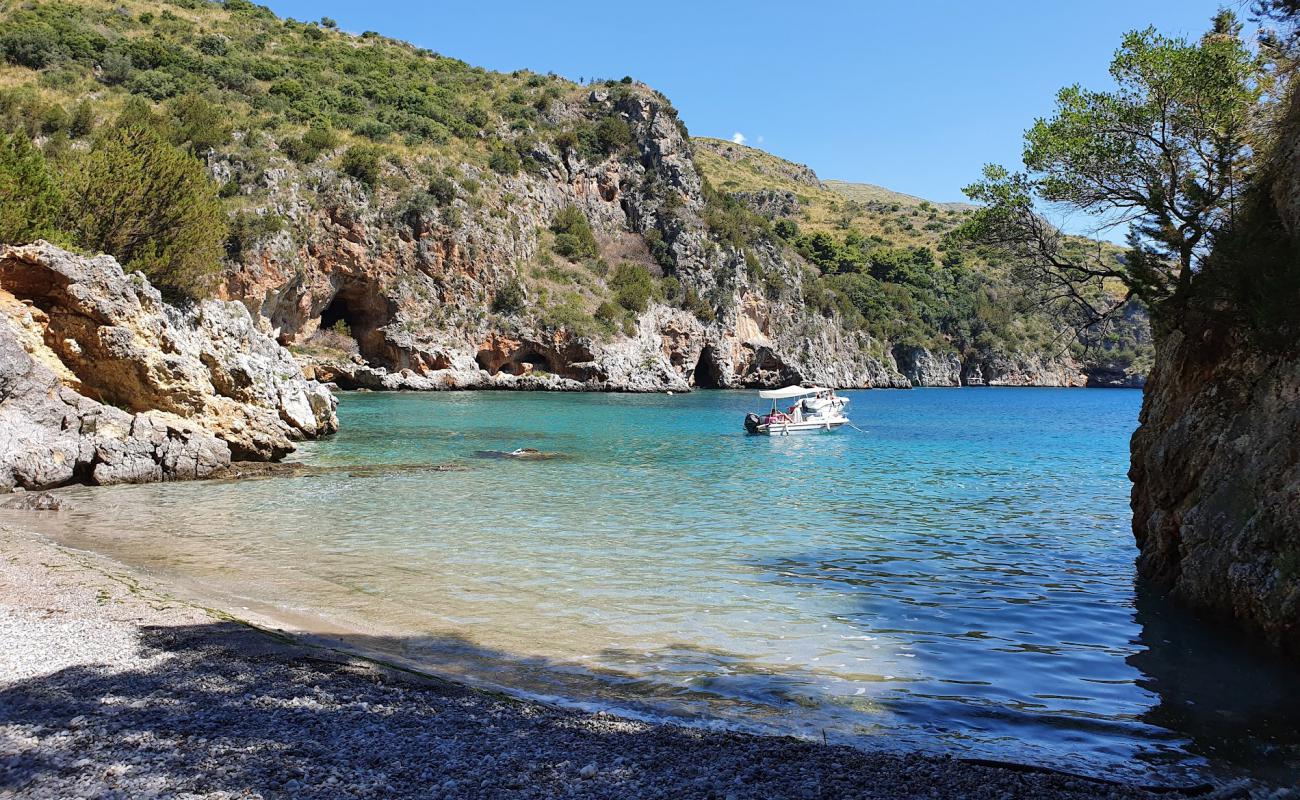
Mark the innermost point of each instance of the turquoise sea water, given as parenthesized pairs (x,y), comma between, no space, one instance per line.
(958,579)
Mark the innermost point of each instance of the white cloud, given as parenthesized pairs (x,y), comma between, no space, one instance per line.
(738,137)
(759,140)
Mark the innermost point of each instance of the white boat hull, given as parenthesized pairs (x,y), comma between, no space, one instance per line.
(807,426)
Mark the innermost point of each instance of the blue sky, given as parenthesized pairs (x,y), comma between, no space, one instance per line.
(912,96)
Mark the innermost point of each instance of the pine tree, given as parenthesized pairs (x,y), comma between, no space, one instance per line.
(29,194)
(149,204)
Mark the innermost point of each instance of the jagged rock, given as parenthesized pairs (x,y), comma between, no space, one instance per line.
(924,368)
(772,203)
(415,288)
(1216,477)
(102,381)
(33,501)
(1022,370)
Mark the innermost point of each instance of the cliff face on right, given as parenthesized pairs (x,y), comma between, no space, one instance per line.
(1216,461)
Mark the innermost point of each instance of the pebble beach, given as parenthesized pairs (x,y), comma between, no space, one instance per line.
(110,687)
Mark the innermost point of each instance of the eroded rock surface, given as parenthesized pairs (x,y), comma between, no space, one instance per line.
(103,382)
(1216,479)
(416,288)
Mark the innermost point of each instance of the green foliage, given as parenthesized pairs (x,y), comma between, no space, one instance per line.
(1166,151)
(29,194)
(83,120)
(509,299)
(574,238)
(505,161)
(692,302)
(197,124)
(442,190)
(363,162)
(567,313)
(610,316)
(594,140)
(166,217)
(247,228)
(319,138)
(633,286)
(730,220)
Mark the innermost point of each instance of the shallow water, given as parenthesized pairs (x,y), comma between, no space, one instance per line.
(959,578)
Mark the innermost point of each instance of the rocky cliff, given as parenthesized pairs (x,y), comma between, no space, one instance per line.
(102,381)
(414,286)
(1216,477)
(1216,461)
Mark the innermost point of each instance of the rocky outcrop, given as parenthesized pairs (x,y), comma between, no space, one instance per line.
(415,284)
(101,381)
(1216,478)
(1216,459)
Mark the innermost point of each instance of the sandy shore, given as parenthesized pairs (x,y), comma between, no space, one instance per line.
(109,687)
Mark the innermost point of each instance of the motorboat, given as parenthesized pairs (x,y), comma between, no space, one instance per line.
(815,409)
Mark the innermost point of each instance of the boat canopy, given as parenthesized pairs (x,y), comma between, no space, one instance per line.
(791,391)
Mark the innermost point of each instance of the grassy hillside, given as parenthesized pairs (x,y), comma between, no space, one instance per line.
(830,206)
(234,78)
(99,96)
(888,263)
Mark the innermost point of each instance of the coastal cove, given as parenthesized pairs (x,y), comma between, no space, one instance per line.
(957,580)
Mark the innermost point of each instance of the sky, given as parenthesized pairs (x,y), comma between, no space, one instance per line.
(912,96)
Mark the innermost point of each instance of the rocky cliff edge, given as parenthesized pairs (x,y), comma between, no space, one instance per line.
(101,381)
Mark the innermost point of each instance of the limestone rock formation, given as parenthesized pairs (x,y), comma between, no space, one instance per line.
(1216,478)
(101,381)
(1216,460)
(415,288)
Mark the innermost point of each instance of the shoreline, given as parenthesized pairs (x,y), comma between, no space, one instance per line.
(110,684)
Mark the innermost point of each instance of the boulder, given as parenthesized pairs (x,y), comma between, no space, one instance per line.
(102,381)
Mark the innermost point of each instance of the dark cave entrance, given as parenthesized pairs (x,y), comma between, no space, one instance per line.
(706,370)
(338,311)
(537,361)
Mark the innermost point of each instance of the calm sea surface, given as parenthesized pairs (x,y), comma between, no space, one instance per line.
(959,578)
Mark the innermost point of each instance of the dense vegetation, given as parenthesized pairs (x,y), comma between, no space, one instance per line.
(892,265)
(191,75)
(110,112)
(1183,151)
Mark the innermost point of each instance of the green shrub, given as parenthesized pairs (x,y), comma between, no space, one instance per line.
(442,190)
(692,302)
(363,162)
(632,286)
(506,162)
(787,229)
(248,228)
(305,150)
(167,220)
(29,194)
(31,44)
(574,238)
(610,316)
(54,120)
(83,120)
(195,123)
(568,314)
(509,299)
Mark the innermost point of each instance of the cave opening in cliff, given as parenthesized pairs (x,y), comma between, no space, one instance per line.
(534,362)
(706,370)
(338,312)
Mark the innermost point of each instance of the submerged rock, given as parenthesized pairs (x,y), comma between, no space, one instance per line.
(33,501)
(523,453)
(101,381)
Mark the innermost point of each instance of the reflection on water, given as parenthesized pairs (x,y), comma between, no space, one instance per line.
(958,579)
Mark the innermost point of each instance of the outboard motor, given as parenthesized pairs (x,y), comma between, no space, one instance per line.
(751,422)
